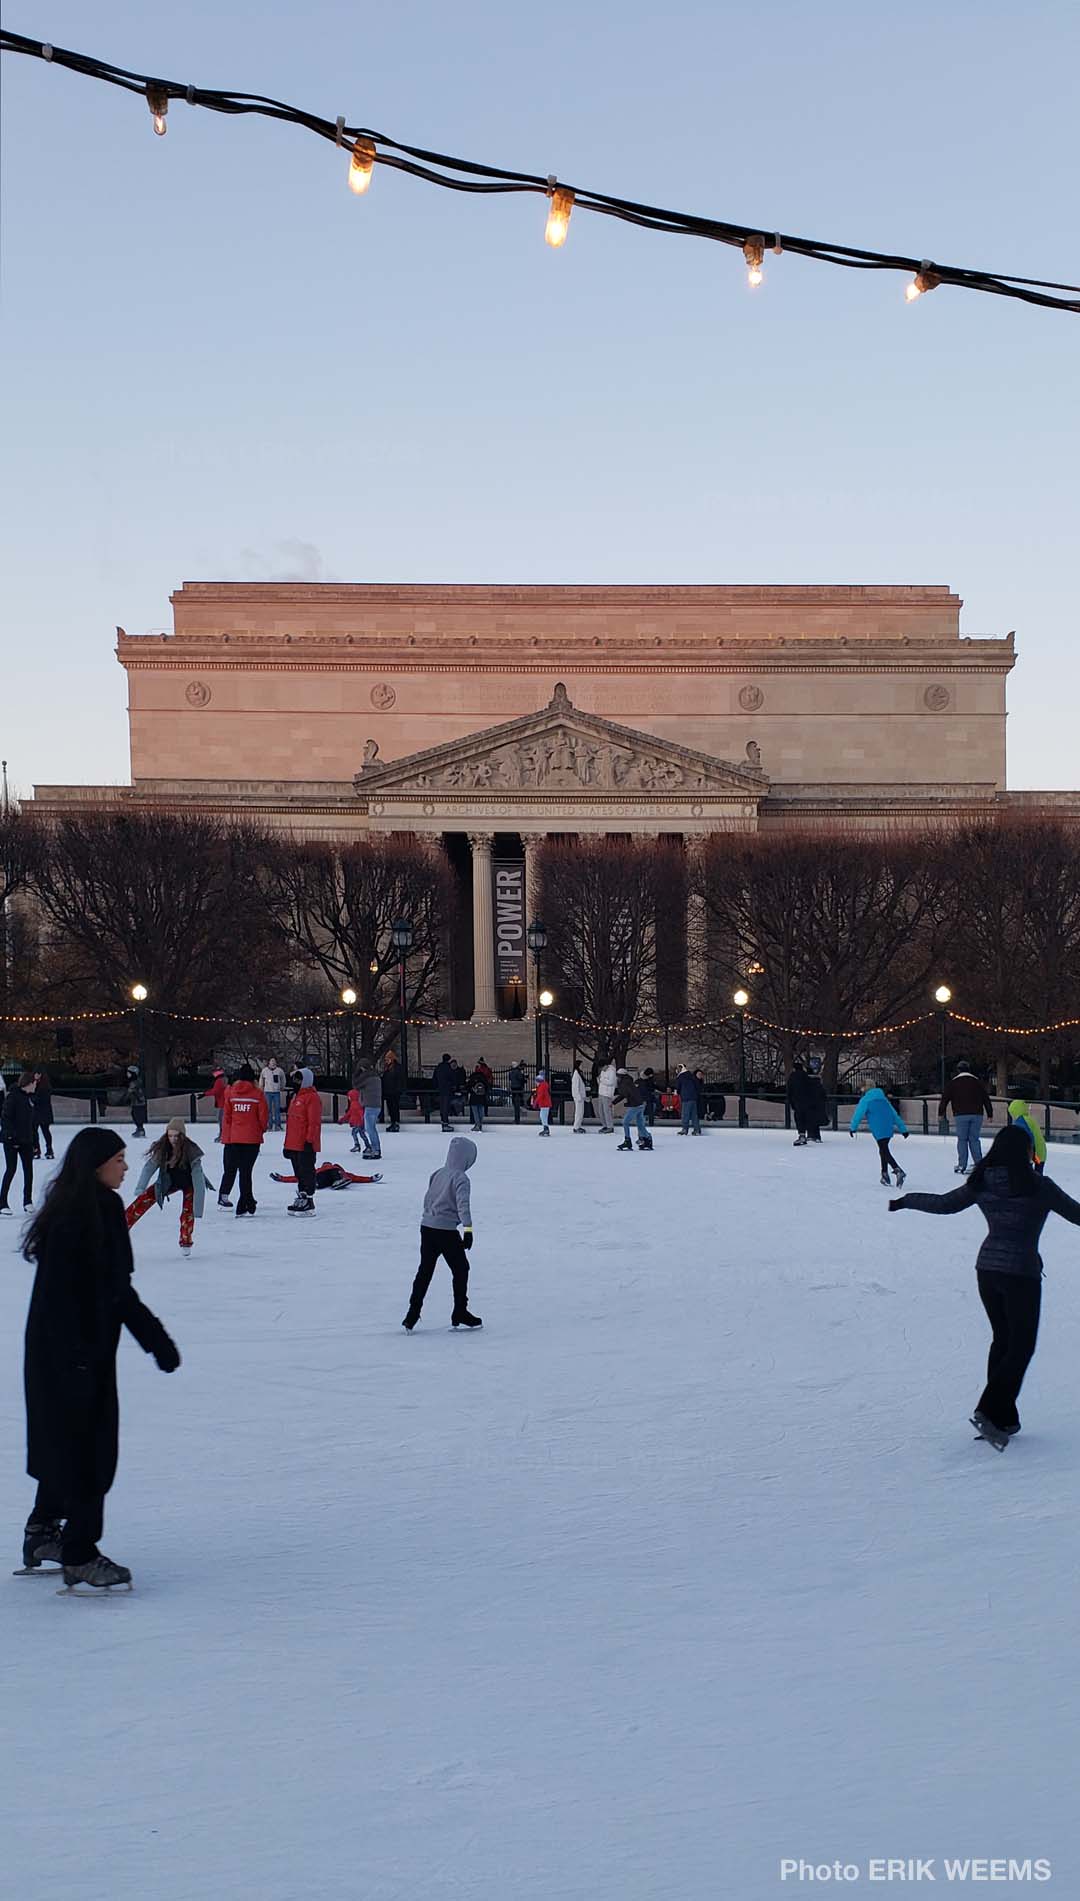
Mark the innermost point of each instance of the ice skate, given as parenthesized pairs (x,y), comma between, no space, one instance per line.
(411,1319)
(41,1548)
(7,1211)
(465,1319)
(99,1575)
(223,1201)
(799,1142)
(544,1132)
(625,1145)
(986,1429)
(885,1178)
(645,1145)
(185,1247)
(245,1214)
(901,1178)
(303,1205)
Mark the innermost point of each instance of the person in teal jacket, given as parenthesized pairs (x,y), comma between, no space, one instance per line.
(882,1121)
(1020,1113)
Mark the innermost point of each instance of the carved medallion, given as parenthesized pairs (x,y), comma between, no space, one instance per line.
(937,698)
(751,698)
(198,693)
(383,696)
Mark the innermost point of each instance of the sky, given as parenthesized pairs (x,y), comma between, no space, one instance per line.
(221,365)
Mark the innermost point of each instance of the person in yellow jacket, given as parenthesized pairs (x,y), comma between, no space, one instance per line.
(1020,1113)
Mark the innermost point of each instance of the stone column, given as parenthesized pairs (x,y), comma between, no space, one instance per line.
(480,844)
(531,846)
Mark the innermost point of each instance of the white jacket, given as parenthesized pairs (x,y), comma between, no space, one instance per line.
(605,1082)
(271,1080)
(577,1086)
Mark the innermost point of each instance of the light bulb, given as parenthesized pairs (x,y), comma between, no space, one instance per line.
(558,219)
(754,253)
(361,165)
(925,278)
(158,102)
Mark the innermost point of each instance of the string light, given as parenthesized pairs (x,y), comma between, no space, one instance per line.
(558,218)
(158,101)
(754,253)
(361,165)
(925,278)
(460,174)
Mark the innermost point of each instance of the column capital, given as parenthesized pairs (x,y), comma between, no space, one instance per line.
(481,842)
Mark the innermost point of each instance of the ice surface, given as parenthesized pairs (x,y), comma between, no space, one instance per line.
(687,1562)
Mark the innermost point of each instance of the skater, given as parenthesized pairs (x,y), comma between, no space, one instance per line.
(517,1089)
(478,1097)
(542,1100)
(580,1094)
(330,1175)
(368,1087)
(883,1122)
(968,1100)
(244,1123)
(1015,1202)
(174,1166)
(135,1097)
(354,1117)
(628,1093)
(82,1297)
(649,1095)
(43,1116)
(686,1088)
(1021,1117)
(18,1127)
(446,1208)
(303,1139)
(393,1088)
(443,1078)
(809,1106)
(272,1084)
(216,1094)
(605,1097)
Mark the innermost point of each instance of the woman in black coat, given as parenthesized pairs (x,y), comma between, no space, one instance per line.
(43,1116)
(82,1296)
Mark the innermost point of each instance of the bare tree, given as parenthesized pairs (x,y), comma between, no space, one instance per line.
(602,902)
(338,905)
(20,850)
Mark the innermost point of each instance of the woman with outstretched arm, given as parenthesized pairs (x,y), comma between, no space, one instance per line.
(1015,1202)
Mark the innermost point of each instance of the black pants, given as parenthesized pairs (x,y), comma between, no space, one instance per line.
(888,1159)
(516,1103)
(44,1134)
(13,1155)
(303,1161)
(239,1159)
(392,1110)
(448,1243)
(1012,1303)
(444,1109)
(83,1518)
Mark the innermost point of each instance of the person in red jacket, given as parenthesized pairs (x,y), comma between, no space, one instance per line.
(354,1116)
(303,1138)
(216,1092)
(244,1120)
(542,1101)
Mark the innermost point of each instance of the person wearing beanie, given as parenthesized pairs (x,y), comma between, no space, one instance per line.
(82,1296)
(244,1122)
(216,1095)
(542,1101)
(19,1127)
(173,1166)
(447,1206)
(1020,1115)
(303,1139)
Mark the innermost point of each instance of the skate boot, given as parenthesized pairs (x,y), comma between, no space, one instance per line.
(623,1145)
(901,1178)
(41,1545)
(799,1142)
(303,1205)
(100,1574)
(885,1178)
(986,1429)
(411,1319)
(645,1145)
(223,1201)
(465,1319)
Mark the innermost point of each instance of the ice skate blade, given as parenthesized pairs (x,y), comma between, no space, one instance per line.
(39,1571)
(95,1590)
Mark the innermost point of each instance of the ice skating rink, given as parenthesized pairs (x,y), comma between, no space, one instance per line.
(685,1564)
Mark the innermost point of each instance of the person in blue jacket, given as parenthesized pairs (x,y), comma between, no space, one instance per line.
(882,1121)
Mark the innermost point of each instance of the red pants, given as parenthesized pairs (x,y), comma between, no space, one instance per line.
(187,1213)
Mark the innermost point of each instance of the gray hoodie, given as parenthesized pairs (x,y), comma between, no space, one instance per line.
(446,1203)
(368,1085)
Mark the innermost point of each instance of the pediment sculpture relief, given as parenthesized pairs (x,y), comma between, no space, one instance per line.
(562,760)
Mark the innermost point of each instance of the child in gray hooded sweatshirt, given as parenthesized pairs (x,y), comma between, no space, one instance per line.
(446,1207)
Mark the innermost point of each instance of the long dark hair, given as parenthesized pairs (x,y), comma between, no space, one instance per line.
(1011,1149)
(74,1192)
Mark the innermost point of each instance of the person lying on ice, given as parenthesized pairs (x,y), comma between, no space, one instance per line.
(446,1206)
(331,1175)
(1015,1202)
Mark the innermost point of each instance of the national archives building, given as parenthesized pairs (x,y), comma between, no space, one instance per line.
(491,717)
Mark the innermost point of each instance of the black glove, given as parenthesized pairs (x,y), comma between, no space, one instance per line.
(167,1353)
(466,1239)
(851,1132)
(906,1134)
(894,1205)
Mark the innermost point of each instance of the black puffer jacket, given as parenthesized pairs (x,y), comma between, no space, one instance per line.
(19,1121)
(1015,1222)
(627,1091)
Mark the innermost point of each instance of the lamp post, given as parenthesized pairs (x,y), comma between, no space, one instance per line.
(139,994)
(740,999)
(402,936)
(943,998)
(536,937)
(545,1000)
(348,998)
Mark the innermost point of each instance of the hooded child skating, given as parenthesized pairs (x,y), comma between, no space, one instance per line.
(883,1121)
(447,1206)
(1021,1117)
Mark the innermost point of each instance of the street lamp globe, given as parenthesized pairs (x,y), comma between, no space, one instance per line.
(348,998)
(546,999)
(536,935)
(741,999)
(139,992)
(401,932)
(943,994)
(373,967)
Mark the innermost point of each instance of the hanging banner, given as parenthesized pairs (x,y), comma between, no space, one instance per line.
(508,886)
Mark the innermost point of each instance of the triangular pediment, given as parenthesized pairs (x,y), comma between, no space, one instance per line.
(560,749)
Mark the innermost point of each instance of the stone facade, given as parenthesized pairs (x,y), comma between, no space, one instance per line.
(486,713)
